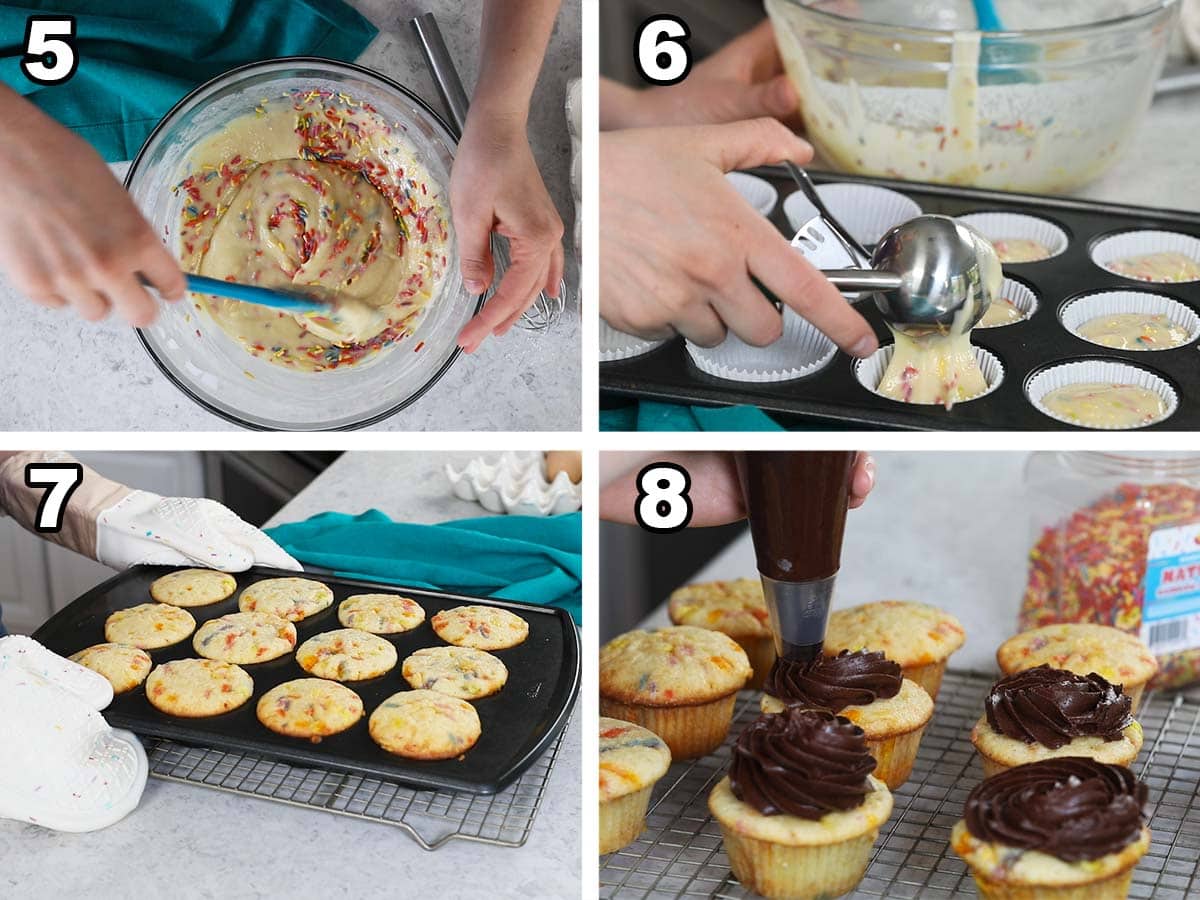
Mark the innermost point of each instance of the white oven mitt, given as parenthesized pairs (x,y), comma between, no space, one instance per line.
(61,765)
(120,527)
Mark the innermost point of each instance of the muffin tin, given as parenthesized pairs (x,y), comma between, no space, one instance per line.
(518,723)
(833,395)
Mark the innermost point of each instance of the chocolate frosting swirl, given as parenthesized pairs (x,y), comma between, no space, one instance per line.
(1071,807)
(801,762)
(834,682)
(1052,706)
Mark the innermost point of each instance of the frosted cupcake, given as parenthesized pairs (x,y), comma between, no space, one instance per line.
(1043,713)
(1062,829)
(1083,648)
(866,688)
(679,682)
(735,608)
(918,636)
(799,809)
(632,759)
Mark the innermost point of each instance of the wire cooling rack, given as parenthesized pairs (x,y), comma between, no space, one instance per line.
(431,818)
(680,853)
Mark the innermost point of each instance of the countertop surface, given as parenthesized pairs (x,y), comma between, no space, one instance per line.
(64,374)
(221,846)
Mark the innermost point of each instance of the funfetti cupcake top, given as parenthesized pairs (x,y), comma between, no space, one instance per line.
(736,608)
(631,758)
(1052,707)
(677,666)
(854,678)
(911,633)
(1071,807)
(1082,648)
(801,762)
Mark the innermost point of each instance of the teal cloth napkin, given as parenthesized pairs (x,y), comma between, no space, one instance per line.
(536,560)
(137,58)
(648,415)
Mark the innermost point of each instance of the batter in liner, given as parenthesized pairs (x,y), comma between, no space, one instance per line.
(933,368)
(1001,312)
(1134,331)
(1020,250)
(1164,268)
(316,193)
(1097,405)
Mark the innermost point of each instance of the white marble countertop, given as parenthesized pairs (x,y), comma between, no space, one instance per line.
(221,845)
(64,374)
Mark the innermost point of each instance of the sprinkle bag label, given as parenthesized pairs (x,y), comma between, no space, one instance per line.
(1171,612)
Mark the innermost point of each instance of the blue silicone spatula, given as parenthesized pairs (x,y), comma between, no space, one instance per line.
(248,293)
(1000,61)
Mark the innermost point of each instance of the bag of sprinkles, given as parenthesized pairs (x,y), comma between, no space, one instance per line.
(1116,541)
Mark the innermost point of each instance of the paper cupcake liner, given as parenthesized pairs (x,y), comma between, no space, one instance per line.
(1114,887)
(865,210)
(617,345)
(777,870)
(1021,296)
(800,351)
(928,676)
(869,371)
(1134,693)
(623,819)
(1083,309)
(689,731)
(895,756)
(1101,371)
(761,653)
(996,226)
(1139,243)
(758,192)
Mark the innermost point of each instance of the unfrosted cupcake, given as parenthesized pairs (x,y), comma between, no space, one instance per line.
(1069,828)
(1083,648)
(680,682)
(799,809)
(918,636)
(1043,713)
(735,608)
(632,759)
(866,688)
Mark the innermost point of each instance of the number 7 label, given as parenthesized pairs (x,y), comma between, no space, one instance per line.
(62,479)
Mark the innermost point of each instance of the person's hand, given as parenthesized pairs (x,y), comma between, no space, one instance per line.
(678,244)
(742,80)
(496,186)
(716,493)
(69,233)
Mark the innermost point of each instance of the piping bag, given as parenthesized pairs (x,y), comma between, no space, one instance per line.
(796,504)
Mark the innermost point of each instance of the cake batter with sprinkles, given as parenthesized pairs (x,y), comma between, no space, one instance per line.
(314,192)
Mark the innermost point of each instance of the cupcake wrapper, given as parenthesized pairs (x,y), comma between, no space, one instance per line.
(869,371)
(617,345)
(895,756)
(623,819)
(689,731)
(761,652)
(1021,296)
(996,226)
(1108,303)
(758,192)
(798,873)
(928,676)
(1139,243)
(1115,887)
(1098,371)
(866,211)
(1134,692)
(801,351)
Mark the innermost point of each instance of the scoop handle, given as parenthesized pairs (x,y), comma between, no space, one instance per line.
(862,280)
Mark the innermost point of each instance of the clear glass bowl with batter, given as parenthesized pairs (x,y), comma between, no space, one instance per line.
(893,88)
(211,367)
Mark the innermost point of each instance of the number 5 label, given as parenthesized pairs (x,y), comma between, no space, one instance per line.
(62,479)
(49,52)
(663,504)
(660,50)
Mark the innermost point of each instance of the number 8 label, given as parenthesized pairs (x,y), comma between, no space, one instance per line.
(663,504)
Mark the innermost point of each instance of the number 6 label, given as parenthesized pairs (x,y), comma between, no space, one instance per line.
(62,479)
(660,50)
(663,504)
(49,52)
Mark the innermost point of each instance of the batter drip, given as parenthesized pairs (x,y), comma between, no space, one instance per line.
(1134,331)
(314,192)
(1097,405)
(1001,312)
(1164,268)
(933,368)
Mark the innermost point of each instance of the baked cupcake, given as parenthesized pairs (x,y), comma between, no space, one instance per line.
(1069,828)
(735,608)
(866,688)
(1043,713)
(799,809)
(918,636)
(632,759)
(680,682)
(1083,648)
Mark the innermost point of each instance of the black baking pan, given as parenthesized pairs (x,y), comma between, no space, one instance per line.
(834,397)
(517,723)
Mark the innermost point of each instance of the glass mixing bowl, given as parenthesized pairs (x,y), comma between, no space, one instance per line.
(894,88)
(203,360)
